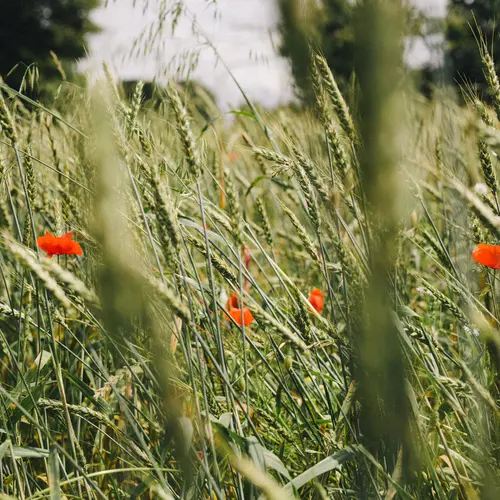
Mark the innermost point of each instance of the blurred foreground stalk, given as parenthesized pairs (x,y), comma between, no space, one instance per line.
(380,365)
(128,315)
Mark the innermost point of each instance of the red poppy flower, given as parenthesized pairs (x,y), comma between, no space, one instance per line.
(487,255)
(237,314)
(59,245)
(233,302)
(316,299)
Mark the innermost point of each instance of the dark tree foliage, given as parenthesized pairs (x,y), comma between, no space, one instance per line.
(329,25)
(461,32)
(31,29)
(338,43)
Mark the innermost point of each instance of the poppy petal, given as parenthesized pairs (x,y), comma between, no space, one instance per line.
(237,314)
(487,255)
(233,302)
(316,299)
(59,245)
(76,248)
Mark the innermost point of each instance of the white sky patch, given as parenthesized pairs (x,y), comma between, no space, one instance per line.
(244,33)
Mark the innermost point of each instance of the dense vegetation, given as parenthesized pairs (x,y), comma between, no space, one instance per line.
(330,25)
(42,39)
(465,21)
(129,373)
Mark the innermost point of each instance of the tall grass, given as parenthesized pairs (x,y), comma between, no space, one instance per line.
(123,376)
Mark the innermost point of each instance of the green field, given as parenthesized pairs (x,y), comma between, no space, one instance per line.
(127,372)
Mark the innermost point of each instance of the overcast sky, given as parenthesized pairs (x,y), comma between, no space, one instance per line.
(243,31)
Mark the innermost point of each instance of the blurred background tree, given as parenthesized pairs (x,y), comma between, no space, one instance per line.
(326,24)
(32,31)
(461,34)
(49,33)
(329,26)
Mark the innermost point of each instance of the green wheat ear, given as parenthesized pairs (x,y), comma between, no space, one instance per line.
(167,224)
(133,111)
(6,121)
(338,101)
(233,208)
(5,222)
(184,131)
(302,234)
(491,78)
(264,220)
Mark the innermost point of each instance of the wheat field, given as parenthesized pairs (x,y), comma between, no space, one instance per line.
(185,353)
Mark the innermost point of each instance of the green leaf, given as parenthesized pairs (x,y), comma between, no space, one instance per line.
(243,113)
(333,462)
(21,451)
(26,452)
(87,391)
(207,125)
(273,462)
(212,236)
(4,448)
(406,312)
(229,435)
(54,475)
(254,183)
